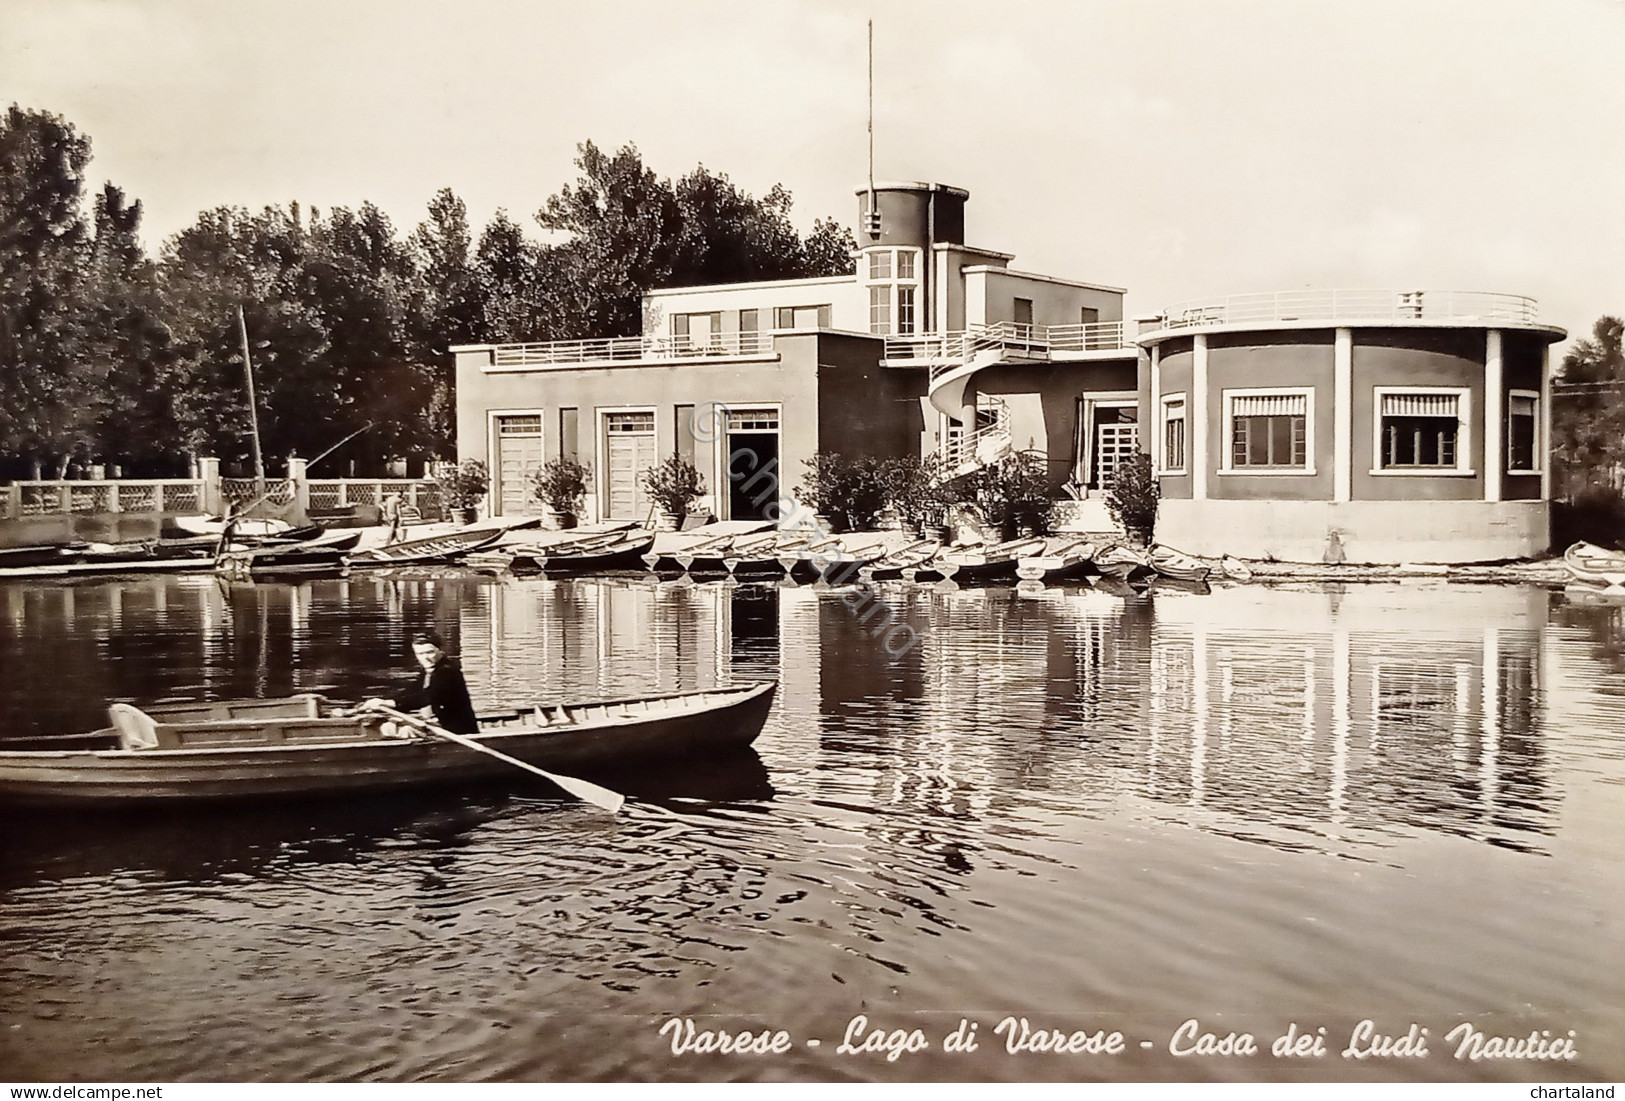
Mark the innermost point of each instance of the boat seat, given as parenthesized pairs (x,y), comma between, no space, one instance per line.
(136,729)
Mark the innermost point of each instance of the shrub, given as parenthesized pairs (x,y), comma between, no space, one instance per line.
(1010,494)
(674,485)
(1596,514)
(914,488)
(1132,498)
(850,492)
(463,486)
(560,484)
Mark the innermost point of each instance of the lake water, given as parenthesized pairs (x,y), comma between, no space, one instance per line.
(1259,809)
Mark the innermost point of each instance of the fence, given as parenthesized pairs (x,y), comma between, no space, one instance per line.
(210,493)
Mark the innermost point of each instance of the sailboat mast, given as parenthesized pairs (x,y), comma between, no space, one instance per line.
(253,405)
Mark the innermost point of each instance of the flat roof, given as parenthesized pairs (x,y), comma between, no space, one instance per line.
(761,284)
(914,185)
(1047,278)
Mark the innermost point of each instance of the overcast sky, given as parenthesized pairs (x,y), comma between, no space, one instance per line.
(1179,148)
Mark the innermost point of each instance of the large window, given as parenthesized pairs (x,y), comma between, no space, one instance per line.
(1173,434)
(801,317)
(893,290)
(1421,430)
(1269,431)
(1523,432)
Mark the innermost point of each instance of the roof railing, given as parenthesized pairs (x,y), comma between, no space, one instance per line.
(1352,305)
(571,353)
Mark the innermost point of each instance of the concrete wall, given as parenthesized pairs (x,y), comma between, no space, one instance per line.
(1042,400)
(1054,302)
(1370,531)
(864,408)
(1174,370)
(789,381)
(846,297)
(1239,362)
(1410,357)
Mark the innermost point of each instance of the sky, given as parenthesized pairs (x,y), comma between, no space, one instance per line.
(1182,149)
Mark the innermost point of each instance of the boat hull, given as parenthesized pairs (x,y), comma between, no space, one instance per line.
(717,721)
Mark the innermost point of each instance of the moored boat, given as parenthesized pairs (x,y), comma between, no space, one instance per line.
(437,548)
(624,552)
(981,566)
(1595,565)
(1177,564)
(1235,569)
(302,746)
(909,556)
(1123,563)
(1066,562)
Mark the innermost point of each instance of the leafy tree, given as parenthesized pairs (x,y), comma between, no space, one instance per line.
(1588,410)
(50,389)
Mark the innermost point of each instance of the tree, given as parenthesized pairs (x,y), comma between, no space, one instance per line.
(1588,408)
(50,390)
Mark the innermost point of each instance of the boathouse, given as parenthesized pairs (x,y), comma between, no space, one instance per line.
(930,345)
(1366,426)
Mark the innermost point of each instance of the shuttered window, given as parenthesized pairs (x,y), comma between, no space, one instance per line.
(1268,431)
(1421,430)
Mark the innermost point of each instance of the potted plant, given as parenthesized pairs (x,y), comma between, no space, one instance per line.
(1132,498)
(462,488)
(1011,495)
(561,485)
(917,493)
(674,486)
(847,494)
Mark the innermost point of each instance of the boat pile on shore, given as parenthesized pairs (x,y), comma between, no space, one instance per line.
(742,550)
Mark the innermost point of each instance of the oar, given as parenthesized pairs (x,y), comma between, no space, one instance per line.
(591,793)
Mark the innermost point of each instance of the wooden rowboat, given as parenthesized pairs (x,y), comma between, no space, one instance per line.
(1067,562)
(298,746)
(982,566)
(1595,565)
(907,557)
(1123,564)
(438,548)
(625,552)
(1177,564)
(1235,569)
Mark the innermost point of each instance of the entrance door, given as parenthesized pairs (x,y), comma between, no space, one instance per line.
(754,476)
(519,454)
(1117,438)
(629,450)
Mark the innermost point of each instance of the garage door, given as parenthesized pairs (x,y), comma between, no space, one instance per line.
(519,453)
(630,450)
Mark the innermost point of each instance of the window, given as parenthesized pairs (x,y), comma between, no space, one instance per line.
(880,309)
(569,429)
(1269,431)
(905,310)
(683,431)
(1421,430)
(520,426)
(748,321)
(679,324)
(1023,311)
(1173,434)
(1088,315)
(629,424)
(753,420)
(879,264)
(905,264)
(1523,432)
(801,317)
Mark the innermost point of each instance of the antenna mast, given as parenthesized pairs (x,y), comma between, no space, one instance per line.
(253,404)
(874,211)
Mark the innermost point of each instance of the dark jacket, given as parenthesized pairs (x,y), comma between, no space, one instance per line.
(444,692)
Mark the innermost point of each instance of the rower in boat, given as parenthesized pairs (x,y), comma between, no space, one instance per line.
(441,689)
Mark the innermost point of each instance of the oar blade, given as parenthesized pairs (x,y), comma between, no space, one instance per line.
(611,801)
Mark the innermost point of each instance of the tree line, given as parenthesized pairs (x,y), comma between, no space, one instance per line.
(109,355)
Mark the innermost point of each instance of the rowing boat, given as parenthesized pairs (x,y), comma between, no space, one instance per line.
(301,746)
(1596,565)
(324,554)
(1177,564)
(984,565)
(437,548)
(1067,562)
(907,557)
(624,552)
(1123,563)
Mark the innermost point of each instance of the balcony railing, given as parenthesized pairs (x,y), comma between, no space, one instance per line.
(631,349)
(1043,340)
(1352,305)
